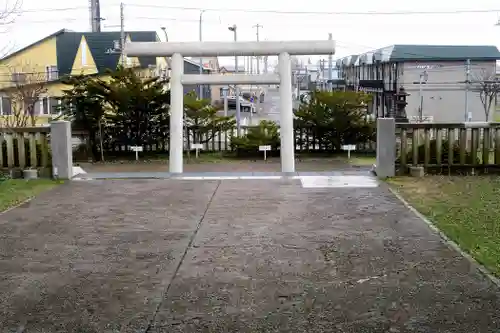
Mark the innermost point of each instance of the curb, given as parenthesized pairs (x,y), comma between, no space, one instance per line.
(450,243)
(19,204)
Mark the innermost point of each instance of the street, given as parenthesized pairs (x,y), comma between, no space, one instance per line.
(269,110)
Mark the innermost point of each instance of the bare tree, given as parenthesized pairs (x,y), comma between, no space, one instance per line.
(10,11)
(8,14)
(487,85)
(27,86)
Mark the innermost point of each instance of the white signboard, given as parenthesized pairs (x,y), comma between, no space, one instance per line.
(265,149)
(197,147)
(349,148)
(137,149)
(428,66)
(424,119)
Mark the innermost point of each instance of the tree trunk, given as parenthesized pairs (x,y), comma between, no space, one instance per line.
(100,141)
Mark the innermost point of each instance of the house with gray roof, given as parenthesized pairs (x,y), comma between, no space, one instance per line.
(423,82)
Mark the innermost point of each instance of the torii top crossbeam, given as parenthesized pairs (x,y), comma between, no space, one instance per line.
(222,49)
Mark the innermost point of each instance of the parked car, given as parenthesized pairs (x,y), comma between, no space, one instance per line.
(245,105)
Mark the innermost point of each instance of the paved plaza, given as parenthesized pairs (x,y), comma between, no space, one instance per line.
(279,254)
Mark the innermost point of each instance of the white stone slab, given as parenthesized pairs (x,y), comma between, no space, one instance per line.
(229,177)
(78,171)
(260,177)
(338,181)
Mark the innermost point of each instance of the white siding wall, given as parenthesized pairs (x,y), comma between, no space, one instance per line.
(443,95)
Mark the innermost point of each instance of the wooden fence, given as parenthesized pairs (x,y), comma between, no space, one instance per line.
(306,141)
(27,147)
(452,147)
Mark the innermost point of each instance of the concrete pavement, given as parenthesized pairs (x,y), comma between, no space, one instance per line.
(232,256)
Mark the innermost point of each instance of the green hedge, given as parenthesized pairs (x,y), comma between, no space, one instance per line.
(265,134)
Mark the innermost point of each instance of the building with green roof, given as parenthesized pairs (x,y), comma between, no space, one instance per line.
(430,78)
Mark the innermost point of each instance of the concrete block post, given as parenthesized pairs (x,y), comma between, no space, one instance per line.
(386,147)
(62,149)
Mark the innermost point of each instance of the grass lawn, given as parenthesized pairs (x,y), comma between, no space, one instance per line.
(363,160)
(14,191)
(466,209)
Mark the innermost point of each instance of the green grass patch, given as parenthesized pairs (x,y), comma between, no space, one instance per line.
(15,191)
(229,157)
(363,160)
(466,209)
(209,157)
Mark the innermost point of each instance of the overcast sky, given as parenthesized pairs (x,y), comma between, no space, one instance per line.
(354,33)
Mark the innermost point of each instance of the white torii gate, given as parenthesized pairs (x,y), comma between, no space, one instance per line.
(213,49)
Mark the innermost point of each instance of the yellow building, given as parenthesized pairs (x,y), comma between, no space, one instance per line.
(228,70)
(30,79)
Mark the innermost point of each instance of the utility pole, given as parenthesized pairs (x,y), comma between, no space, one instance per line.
(234,29)
(423,80)
(95,16)
(257,27)
(467,82)
(322,75)
(122,34)
(201,59)
(330,66)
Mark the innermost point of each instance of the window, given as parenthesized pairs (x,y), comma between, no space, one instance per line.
(45,105)
(54,105)
(84,52)
(38,108)
(51,73)
(6,106)
(18,78)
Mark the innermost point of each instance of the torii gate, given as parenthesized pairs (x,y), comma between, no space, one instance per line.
(177,51)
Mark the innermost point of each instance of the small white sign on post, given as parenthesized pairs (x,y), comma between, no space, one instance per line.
(137,149)
(349,148)
(265,149)
(197,147)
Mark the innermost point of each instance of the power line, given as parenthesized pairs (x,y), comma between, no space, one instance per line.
(159,19)
(323,13)
(269,11)
(62,9)
(407,12)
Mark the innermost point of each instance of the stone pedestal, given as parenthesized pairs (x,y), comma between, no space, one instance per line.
(417,171)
